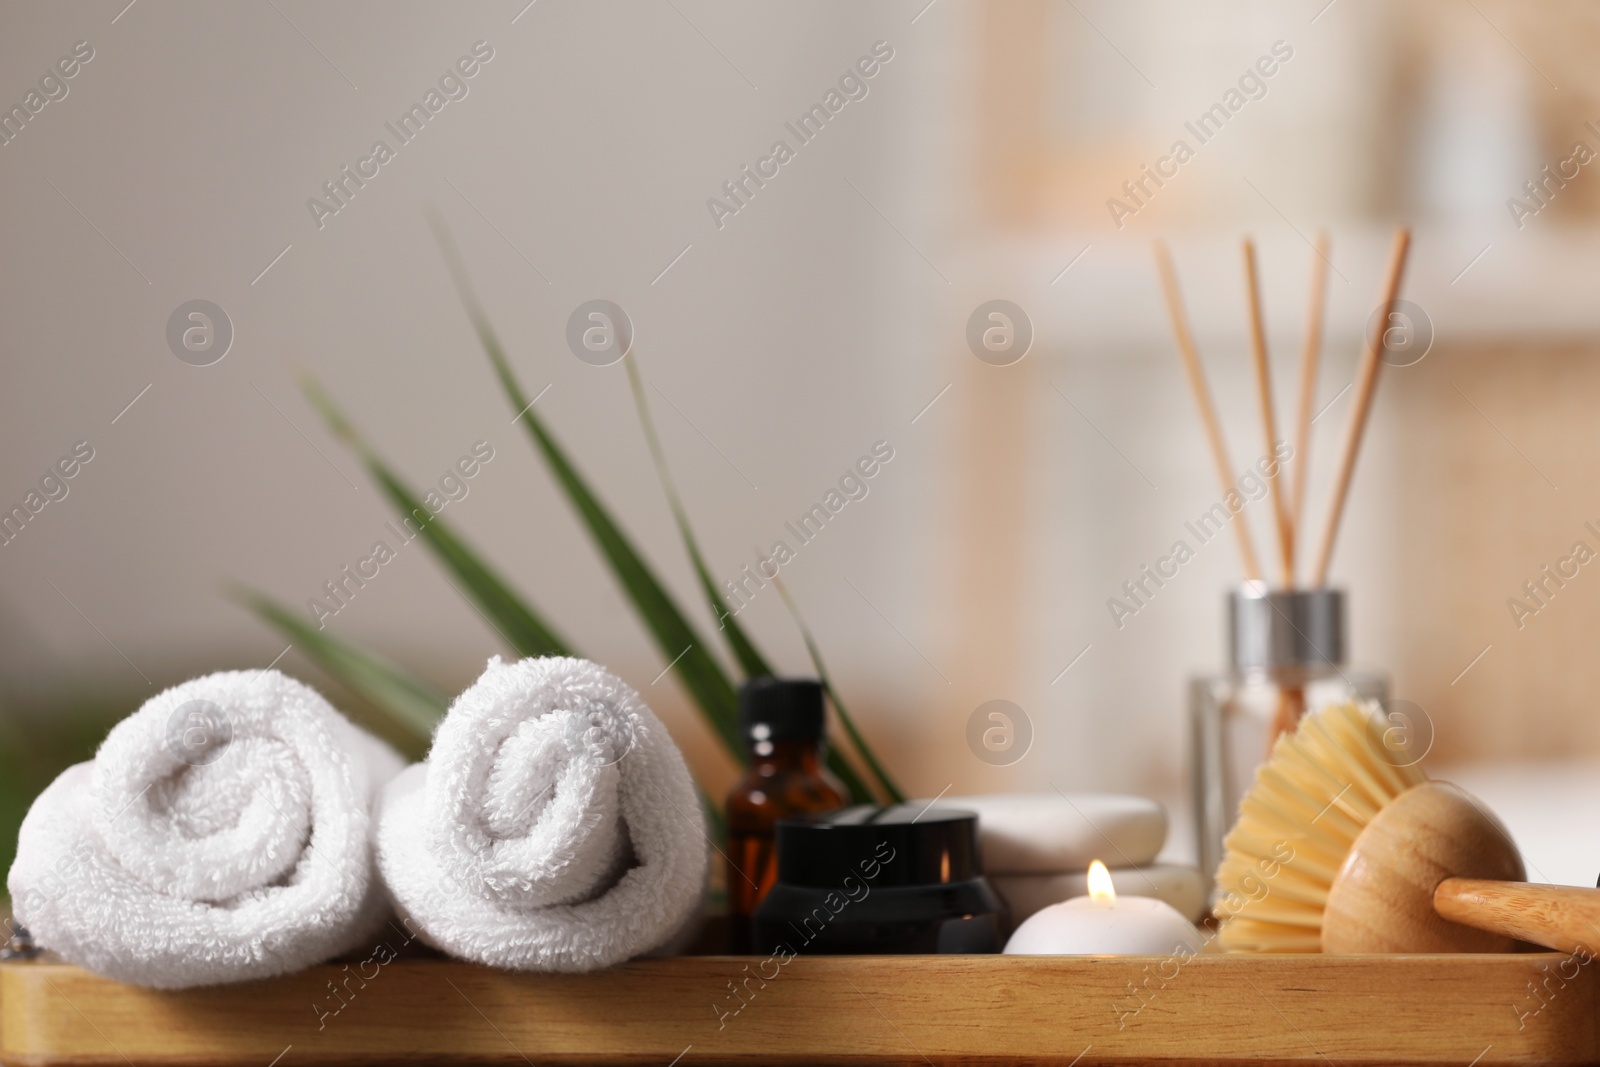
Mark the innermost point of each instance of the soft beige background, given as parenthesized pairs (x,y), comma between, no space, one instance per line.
(822,318)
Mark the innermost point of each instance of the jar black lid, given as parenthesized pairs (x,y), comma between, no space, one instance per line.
(902,845)
(781,709)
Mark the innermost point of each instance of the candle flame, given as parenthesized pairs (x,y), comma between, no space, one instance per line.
(1100,888)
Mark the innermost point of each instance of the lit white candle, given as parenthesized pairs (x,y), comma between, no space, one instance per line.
(1102,924)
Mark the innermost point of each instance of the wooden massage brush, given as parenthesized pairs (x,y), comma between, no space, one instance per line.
(1338,849)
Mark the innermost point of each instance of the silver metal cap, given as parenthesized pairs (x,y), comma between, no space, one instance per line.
(1281,629)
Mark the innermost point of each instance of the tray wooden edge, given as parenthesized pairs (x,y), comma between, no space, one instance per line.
(1488,1009)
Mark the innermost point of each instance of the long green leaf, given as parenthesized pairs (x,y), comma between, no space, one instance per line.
(744,650)
(687,652)
(888,783)
(855,785)
(405,699)
(713,810)
(521,626)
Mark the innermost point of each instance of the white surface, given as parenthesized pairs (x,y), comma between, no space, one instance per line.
(1050,833)
(1182,887)
(1551,809)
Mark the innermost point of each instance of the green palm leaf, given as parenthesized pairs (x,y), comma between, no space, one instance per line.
(522,627)
(888,783)
(743,648)
(754,664)
(408,701)
(688,653)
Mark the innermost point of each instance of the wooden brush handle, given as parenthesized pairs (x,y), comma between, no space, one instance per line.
(1565,918)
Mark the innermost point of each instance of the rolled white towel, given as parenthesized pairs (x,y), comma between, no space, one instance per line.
(220,834)
(554,826)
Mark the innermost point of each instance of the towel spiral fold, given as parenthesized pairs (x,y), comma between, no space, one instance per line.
(221,833)
(554,827)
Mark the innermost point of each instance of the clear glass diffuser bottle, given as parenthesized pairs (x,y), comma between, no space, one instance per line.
(1286,651)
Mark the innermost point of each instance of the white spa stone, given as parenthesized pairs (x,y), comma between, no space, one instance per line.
(1181,887)
(1048,833)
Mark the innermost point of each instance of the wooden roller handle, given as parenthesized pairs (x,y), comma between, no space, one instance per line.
(1565,918)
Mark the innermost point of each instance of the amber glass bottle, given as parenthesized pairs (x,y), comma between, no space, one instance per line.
(783,724)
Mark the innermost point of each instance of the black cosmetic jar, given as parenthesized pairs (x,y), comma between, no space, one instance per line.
(901,879)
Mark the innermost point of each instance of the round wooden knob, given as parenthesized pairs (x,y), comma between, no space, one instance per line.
(1382,898)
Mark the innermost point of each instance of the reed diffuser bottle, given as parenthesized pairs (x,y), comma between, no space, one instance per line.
(1286,653)
(1286,646)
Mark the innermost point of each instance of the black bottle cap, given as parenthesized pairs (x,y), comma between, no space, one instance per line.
(902,845)
(781,709)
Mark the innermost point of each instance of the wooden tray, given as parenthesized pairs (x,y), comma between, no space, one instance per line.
(1462,1010)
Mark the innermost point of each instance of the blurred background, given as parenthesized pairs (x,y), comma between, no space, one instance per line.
(782,341)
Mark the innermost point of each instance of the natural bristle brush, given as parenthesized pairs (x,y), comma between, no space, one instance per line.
(1338,849)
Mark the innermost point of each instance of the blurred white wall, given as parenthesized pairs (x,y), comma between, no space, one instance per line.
(823,317)
(578,166)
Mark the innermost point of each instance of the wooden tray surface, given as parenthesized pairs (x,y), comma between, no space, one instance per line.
(1462,1010)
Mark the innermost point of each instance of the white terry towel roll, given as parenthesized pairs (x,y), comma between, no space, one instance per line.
(554,826)
(221,833)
